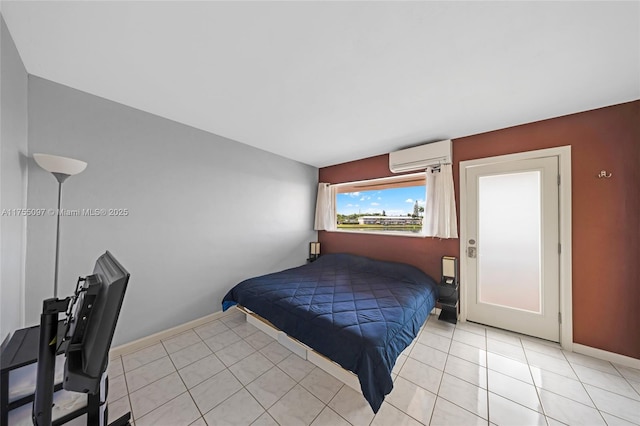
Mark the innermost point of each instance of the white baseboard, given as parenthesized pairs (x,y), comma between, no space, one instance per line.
(624,360)
(144,342)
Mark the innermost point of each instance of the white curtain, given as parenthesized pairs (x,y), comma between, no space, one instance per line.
(325,211)
(440,210)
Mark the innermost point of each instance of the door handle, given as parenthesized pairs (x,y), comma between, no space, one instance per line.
(471,252)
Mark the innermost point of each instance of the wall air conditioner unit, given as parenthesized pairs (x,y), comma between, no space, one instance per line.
(420,157)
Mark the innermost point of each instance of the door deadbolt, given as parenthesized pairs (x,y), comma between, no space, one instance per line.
(471,252)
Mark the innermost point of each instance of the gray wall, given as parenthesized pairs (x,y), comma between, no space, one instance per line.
(13,182)
(204,212)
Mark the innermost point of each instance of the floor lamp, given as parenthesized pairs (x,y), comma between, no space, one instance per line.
(61,168)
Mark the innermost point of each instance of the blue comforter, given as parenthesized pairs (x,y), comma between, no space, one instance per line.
(359,312)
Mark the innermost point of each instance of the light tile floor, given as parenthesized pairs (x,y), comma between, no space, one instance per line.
(229,372)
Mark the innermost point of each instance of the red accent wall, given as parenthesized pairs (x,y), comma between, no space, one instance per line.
(605,216)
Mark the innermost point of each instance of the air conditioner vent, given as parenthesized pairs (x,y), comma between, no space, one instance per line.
(420,157)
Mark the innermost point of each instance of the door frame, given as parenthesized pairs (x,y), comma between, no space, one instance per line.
(564,205)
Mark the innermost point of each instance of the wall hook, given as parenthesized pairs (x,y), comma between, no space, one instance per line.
(603,174)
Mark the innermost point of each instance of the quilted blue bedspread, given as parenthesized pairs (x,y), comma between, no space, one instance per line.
(359,312)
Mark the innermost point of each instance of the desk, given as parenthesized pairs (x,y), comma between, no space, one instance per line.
(20,351)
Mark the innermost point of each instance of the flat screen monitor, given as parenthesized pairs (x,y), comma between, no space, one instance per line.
(93,323)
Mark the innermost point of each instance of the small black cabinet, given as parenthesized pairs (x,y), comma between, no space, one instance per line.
(449,295)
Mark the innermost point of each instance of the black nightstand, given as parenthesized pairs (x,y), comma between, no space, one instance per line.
(448,287)
(448,300)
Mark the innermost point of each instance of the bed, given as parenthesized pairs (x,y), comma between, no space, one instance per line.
(358,312)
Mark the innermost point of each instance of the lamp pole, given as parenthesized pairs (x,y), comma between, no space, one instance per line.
(61,168)
(60,177)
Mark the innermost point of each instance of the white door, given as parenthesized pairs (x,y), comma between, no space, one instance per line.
(512,246)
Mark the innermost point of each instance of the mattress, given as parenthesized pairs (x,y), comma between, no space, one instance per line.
(361,313)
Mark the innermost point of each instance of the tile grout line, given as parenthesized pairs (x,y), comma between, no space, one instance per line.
(626,379)
(442,377)
(598,387)
(334,397)
(244,387)
(226,367)
(398,375)
(124,374)
(585,389)
(571,365)
(524,349)
(275,365)
(486,361)
(168,355)
(533,380)
(182,380)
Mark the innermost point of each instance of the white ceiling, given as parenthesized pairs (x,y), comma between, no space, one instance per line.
(329,82)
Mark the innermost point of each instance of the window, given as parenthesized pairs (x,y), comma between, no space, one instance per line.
(388,205)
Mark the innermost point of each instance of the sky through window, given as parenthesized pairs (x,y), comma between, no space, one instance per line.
(391,201)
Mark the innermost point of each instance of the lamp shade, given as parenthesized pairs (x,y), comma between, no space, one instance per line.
(57,164)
